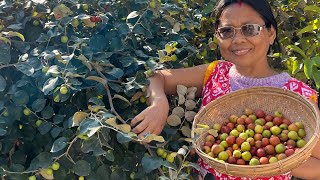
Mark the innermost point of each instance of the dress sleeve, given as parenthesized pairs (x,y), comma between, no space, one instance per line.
(209,70)
(302,89)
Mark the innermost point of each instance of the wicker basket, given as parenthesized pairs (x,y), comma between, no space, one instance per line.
(293,106)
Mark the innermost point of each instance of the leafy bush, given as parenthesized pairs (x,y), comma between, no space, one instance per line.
(74,73)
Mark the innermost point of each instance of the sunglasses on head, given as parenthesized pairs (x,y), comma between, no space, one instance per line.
(248,30)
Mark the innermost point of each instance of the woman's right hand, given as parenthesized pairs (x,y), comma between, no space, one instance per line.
(153,118)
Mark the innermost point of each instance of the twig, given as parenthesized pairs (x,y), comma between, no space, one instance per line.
(138,21)
(67,151)
(6,65)
(25,42)
(109,95)
(23,172)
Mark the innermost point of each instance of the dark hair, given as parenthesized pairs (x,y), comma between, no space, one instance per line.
(261,6)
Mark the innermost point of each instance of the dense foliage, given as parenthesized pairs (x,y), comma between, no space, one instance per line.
(73,73)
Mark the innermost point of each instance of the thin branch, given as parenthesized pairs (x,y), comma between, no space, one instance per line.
(138,21)
(12,172)
(25,42)
(67,151)
(109,95)
(6,65)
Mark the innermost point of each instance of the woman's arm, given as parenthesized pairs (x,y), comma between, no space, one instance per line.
(164,82)
(309,170)
(316,151)
(170,78)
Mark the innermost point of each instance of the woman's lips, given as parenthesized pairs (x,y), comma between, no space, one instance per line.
(240,52)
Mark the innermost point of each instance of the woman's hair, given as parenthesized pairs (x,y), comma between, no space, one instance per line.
(261,6)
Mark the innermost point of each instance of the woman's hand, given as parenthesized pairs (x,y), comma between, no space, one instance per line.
(153,118)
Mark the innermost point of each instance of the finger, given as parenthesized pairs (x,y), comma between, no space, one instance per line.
(141,127)
(144,133)
(158,130)
(137,119)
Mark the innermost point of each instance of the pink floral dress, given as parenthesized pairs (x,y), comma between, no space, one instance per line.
(221,78)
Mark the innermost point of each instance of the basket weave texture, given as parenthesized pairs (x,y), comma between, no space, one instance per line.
(270,99)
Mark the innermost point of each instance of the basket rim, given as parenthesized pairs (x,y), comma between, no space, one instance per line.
(265,89)
(260,90)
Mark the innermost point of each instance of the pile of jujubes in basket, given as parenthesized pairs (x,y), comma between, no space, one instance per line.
(254,138)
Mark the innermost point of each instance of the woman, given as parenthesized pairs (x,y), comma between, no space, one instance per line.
(245,31)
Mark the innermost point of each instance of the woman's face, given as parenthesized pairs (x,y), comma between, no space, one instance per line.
(240,49)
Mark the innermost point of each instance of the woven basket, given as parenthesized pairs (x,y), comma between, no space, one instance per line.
(292,105)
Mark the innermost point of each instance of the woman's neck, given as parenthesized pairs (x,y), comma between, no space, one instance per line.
(258,71)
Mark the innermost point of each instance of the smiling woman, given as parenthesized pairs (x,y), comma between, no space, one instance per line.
(246,30)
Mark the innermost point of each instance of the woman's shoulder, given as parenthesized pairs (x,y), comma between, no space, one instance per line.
(215,66)
(301,88)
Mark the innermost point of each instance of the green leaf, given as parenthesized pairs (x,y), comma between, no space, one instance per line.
(97,43)
(307,67)
(21,98)
(96,101)
(59,144)
(316,60)
(208,8)
(194,165)
(109,155)
(89,145)
(116,44)
(295,65)
(116,72)
(139,29)
(45,127)
(312,8)
(38,105)
(108,115)
(116,87)
(58,118)
(306,29)
(89,126)
(3,132)
(43,38)
(3,84)
(316,76)
(5,53)
(123,138)
(141,54)
(82,168)
(297,49)
(43,160)
(98,151)
(169,165)
(25,68)
(151,163)
(47,112)
(133,14)
(14,34)
(49,85)
(103,173)
(55,131)
(123,29)
(126,61)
